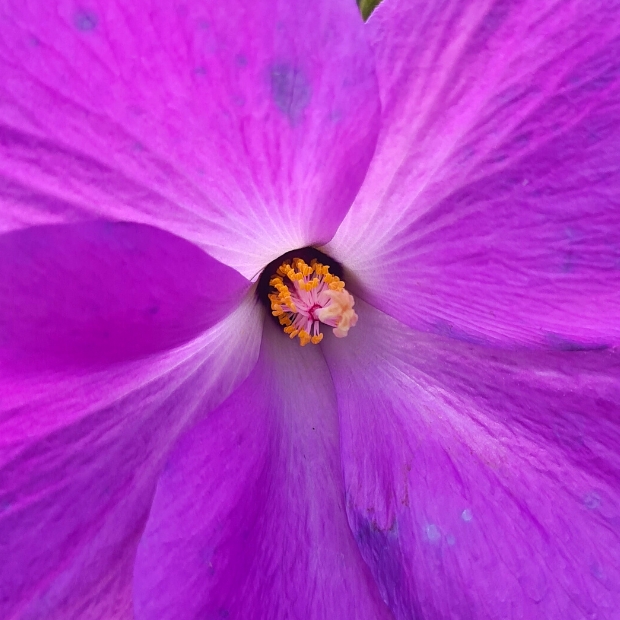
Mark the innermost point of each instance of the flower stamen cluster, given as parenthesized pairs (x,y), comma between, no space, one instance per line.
(311,296)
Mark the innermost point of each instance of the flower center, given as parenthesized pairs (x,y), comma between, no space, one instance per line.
(302,296)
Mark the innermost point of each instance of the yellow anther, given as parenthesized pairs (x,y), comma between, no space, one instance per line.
(319,268)
(289,303)
(337,286)
(317,339)
(293,333)
(283,269)
(304,338)
(289,329)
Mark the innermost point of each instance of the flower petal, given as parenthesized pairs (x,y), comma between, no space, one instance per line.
(248,519)
(491,208)
(215,121)
(98,292)
(80,453)
(480,484)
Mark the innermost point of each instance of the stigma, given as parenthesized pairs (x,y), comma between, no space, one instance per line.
(305,295)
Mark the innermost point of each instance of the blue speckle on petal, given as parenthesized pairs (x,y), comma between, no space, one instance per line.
(467,515)
(432,533)
(451,540)
(563,344)
(592,500)
(85,21)
(290,90)
(597,572)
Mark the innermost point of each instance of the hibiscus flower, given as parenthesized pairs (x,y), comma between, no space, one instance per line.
(167,451)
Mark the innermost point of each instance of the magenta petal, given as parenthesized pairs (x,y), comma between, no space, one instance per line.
(246,128)
(491,209)
(248,520)
(79,457)
(480,484)
(100,292)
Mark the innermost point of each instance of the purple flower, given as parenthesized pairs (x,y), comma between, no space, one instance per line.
(167,453)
